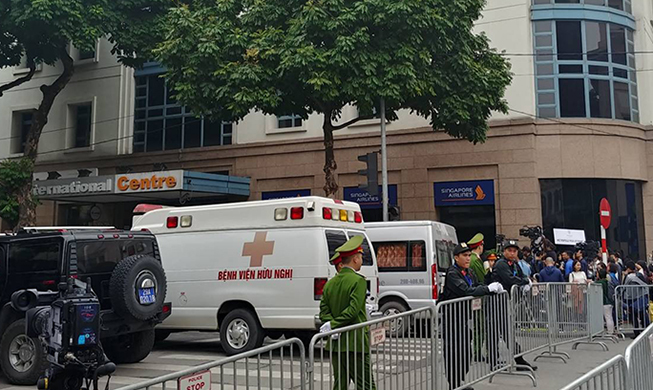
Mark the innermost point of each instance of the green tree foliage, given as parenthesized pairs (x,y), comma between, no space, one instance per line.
(14,174)
(228,57)
(41,32)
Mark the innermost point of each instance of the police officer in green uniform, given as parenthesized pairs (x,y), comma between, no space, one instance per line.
(477,245)
(343,304)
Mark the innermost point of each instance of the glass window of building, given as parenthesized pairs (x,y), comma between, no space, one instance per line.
(21,123)
(83,124)
(585,69)
(288,121)
(163,124)
(574,203)
(622,5)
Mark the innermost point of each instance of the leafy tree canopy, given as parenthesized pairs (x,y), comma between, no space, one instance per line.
(41,32)
(227,57)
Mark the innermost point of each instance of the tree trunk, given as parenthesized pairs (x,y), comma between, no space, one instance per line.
(330,166)
(27,211)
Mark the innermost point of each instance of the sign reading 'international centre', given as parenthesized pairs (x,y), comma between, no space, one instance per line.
(464,193)
(73,186)
(98,185)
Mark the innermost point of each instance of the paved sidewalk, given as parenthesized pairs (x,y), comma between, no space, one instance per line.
(553,374)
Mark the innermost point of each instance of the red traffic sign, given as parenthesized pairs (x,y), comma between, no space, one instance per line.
(605,213)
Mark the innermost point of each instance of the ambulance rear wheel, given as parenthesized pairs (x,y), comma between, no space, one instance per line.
(240,331)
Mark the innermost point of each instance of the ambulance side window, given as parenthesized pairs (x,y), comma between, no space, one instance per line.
(335,239)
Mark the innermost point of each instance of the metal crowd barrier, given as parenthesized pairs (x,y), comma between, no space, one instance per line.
(375,355)
(611,375)
(532,314)
(577,311)
(456,344)
(631,308)
(639,361)
(475,340)
(270,367)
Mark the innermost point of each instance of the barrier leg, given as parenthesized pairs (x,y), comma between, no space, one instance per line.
(590,342)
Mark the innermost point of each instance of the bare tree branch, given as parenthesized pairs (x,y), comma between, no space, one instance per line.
(21,80)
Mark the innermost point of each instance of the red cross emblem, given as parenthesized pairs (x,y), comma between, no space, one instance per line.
(258,248)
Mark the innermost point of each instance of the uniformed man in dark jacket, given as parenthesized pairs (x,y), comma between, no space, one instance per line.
(508,272)
(460,283)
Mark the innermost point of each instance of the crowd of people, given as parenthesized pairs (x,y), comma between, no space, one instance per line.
(477,272)
(577,266)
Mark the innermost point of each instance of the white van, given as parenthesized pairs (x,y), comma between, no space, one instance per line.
(252,269)
(412,257)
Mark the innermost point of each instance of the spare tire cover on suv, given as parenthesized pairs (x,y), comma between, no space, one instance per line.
(132,274)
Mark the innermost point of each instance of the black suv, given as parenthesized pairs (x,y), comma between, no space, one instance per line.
(126,274)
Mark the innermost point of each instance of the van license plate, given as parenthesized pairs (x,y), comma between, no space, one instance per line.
(146,296)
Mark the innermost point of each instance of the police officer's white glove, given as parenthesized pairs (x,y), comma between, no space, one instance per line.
(495,287)
(325,327)
(370,309)
(527,287)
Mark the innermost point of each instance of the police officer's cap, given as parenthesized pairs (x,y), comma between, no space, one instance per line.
(510,244)
(461,248)
(351,247)
(335,259)
(476,241)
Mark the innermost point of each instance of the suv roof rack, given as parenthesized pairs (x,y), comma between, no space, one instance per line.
(60,229)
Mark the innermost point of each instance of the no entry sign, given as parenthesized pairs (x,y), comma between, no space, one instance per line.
(605,213)
(197,381)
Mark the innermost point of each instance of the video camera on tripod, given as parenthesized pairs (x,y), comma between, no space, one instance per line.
(590,249)
(68,324)
(536,235)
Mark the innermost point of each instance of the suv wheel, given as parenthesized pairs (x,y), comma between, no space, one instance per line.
(22,358)
(129,348)
(138,287)
(240,331)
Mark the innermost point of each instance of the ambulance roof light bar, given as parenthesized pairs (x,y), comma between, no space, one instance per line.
(144,208)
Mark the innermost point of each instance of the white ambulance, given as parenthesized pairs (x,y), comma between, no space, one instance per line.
(252,269)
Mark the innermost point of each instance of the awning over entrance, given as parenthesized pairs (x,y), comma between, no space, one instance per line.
(172,186)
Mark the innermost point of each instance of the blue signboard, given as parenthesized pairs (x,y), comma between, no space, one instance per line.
(284,194)
(367,201)
(464,193)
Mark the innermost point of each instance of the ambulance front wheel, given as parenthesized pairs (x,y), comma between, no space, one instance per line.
(240,331)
